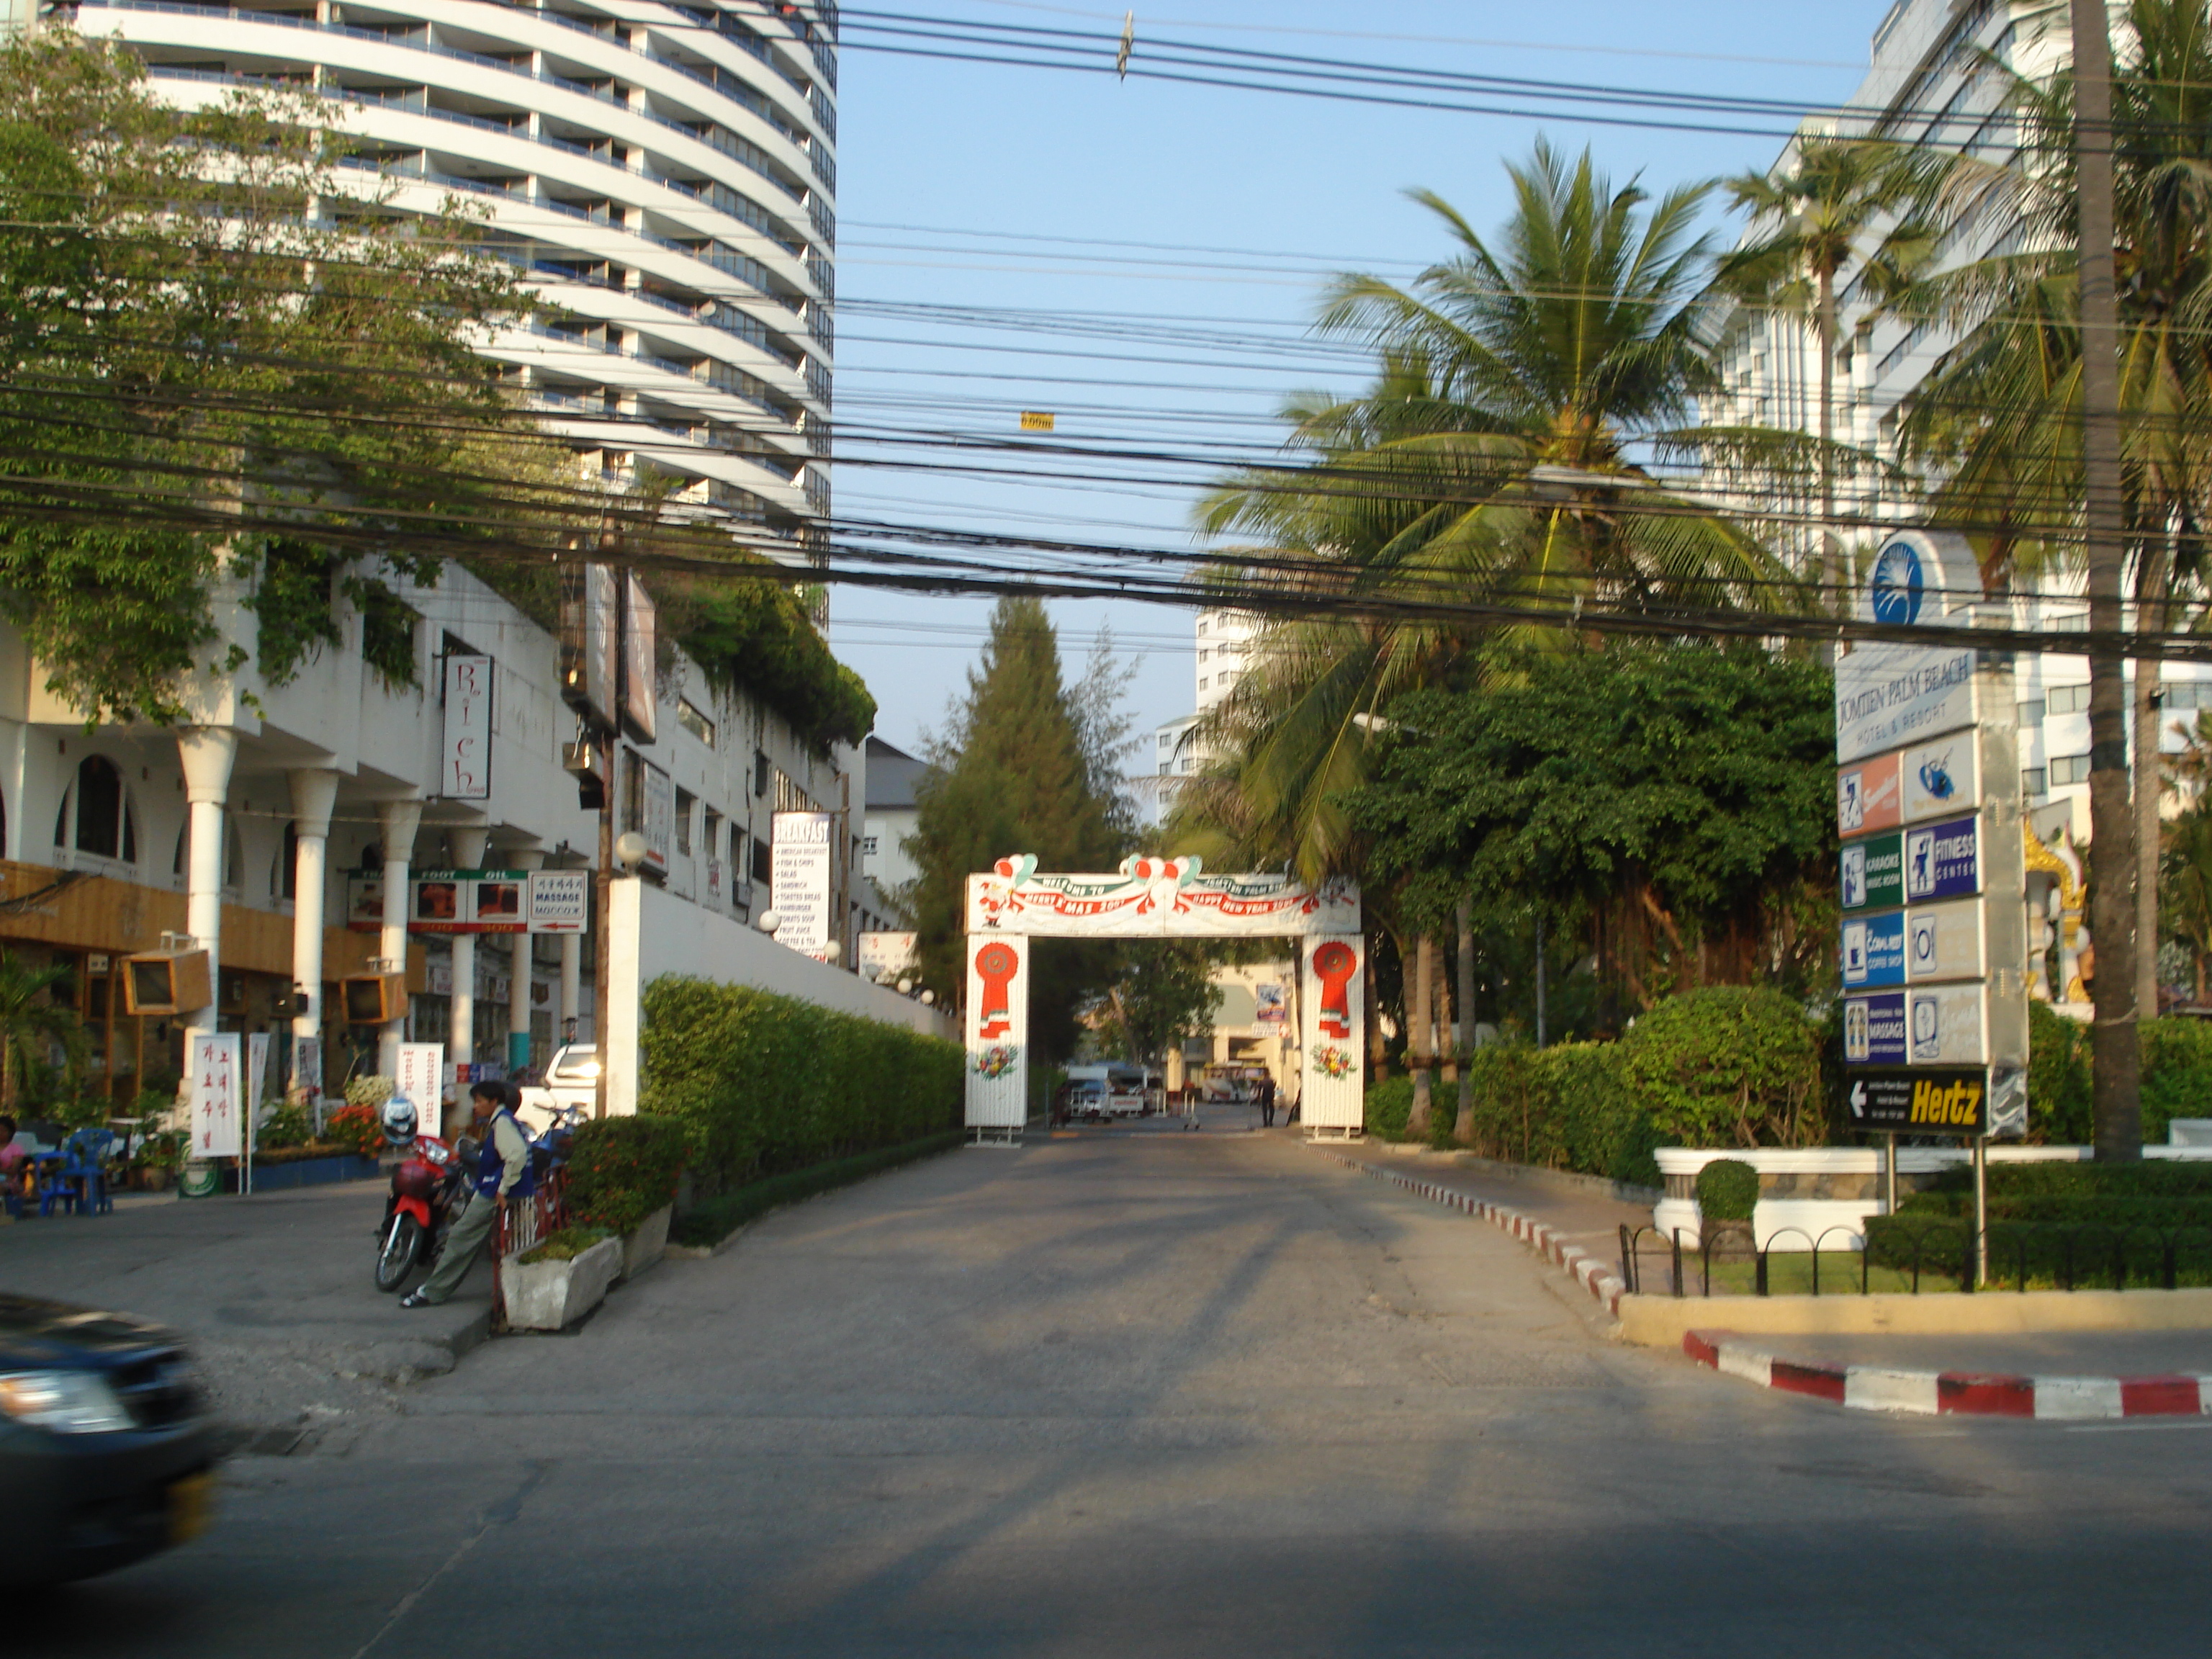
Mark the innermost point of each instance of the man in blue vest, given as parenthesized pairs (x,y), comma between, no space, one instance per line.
(503,1175)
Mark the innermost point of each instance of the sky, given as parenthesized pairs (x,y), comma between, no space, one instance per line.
(954,180)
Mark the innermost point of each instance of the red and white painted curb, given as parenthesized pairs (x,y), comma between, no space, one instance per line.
(1968,1394)
(1592,1273)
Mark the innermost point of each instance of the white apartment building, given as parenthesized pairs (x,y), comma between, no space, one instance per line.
(1223,646)
(664,175)
(1927,84)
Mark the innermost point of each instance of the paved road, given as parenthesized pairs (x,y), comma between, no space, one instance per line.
(1157,1395)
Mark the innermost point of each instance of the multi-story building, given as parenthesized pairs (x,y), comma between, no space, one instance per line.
(1931,83)
(1223,651)
(664,175)
(891,819)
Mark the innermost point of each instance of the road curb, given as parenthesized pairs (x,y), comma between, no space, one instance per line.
(1592,1273)
(1953,1394)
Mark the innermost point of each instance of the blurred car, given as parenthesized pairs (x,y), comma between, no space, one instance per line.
(107,1450)
(571,1081)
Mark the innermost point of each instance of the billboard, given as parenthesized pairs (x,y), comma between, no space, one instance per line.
(804,864)
(1874,949)
(640,679)
(464,761)
(1867,797)
(1871,873)
(591,634)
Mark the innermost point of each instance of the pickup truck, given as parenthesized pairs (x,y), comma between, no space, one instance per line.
(572,1080)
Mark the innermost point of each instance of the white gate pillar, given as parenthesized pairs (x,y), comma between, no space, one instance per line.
(998,1025)
(1332,1035)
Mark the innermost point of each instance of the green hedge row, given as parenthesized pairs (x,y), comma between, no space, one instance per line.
(2107,1252)
(709,1224)
(1727,1066)
(2176,1076)
(764,1083)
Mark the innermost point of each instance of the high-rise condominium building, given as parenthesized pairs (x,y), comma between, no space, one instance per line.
(664,173)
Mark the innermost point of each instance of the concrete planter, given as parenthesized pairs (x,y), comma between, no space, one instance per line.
(552,1296)
(645,1247)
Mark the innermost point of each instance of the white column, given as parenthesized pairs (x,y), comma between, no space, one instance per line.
(517,999)
(399,820)
(314,792)
(617,1021)
(571,984)
(461,1045)
(207,752)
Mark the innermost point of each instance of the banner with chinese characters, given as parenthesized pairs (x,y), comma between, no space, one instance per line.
(218,1088)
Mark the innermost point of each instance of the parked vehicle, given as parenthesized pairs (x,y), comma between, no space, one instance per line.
(1108,1089)
(107,1451)
(571,1087)
(429,1188)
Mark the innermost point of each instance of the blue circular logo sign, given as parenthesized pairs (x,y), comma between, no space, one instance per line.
(1897,584)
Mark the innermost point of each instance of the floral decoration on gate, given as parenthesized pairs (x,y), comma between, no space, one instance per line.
(997,1060)
(1334,1062)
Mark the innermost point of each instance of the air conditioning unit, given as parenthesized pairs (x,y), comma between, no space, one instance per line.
(374,998)
(168,982)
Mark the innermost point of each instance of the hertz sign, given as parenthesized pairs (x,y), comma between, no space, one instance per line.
(1919,1100)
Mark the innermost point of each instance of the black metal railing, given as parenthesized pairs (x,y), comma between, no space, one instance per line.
(2014,1256)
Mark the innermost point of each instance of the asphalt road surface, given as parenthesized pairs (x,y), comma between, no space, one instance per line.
(1154,1395)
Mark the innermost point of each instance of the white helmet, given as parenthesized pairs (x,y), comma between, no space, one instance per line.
(400,1120)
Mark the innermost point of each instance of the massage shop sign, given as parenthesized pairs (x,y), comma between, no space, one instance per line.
(1931,881)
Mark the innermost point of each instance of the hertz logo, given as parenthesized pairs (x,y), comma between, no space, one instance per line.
(1959,1105)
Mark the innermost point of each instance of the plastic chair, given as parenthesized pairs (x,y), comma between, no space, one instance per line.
(84,1163)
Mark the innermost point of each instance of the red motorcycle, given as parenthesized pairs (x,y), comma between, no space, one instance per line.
(427,1189)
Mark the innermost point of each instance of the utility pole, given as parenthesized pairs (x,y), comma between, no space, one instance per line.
(2115,1059)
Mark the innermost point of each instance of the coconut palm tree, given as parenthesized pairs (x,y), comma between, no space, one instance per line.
(31,1022)
(1810,220)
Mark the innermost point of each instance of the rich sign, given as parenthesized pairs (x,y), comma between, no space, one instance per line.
(1874,949)
(1873,1030)
(1871,876)
(1945,1101)
(1943,861)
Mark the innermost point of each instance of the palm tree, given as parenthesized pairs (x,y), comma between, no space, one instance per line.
(31,1022)
(1506,455)
(1810,222)
(2000,419)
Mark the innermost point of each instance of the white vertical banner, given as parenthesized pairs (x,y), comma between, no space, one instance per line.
(1332,1008)
(257,1082)
(465,764)
(308,1066)
(423,1080)
(804,866)
(998,1025)
(218,1078)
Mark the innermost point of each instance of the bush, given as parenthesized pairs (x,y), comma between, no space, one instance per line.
(566,1245)
(1728,1190)
(1389,1104)
(1728,1065)
(289,1126)
(621,1169)
(763,1082)
(2177,1073)
(358,1129)
(708,1223)
(2176,1076)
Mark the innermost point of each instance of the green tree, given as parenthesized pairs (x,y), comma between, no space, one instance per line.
(32,1023)
(2000,420)
(1810,219)
(1162,996)
(1026,766)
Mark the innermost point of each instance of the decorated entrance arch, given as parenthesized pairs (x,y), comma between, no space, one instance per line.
(1162,898)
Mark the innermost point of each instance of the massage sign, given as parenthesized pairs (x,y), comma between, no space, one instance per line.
(1930,876)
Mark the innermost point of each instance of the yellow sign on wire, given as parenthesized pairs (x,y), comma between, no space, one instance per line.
(1037,420)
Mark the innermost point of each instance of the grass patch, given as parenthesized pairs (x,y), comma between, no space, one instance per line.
(708,1225)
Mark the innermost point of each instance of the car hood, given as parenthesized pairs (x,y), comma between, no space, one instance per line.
(35,1333)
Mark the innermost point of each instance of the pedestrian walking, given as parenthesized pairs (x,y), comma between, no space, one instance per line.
(503,1175)
(1267,1103)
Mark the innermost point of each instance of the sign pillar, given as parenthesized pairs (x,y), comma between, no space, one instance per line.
(1332,1029)
(997,1019)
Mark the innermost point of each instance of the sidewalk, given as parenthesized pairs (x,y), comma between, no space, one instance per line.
(275,1291)
(1588,1220)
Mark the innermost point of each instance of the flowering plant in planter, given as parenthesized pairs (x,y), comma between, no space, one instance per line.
(621,1169)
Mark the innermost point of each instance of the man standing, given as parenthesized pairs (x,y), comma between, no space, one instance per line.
(1268,1102)
(503,1173)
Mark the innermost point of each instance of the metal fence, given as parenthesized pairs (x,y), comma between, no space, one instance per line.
(523,1227)
(2015,1255)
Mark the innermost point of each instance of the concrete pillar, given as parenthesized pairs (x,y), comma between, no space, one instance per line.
(619,1019)
(207,752)
(397,820)
(461,1045)
(572,987)
(314,792)
(518,1002)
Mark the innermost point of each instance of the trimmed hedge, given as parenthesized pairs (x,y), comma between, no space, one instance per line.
(621,1169)
(763,1082)
(1728,1190)
(2176,1076)
(708,1225)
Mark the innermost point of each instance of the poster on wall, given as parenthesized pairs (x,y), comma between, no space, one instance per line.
(217,1086)
(887,956)
(364,903)
(465,763)
(803,856)
(1267,1006)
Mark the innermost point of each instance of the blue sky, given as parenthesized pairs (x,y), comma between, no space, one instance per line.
(951,173)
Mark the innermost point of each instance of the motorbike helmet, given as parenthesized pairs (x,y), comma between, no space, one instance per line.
(400,1120)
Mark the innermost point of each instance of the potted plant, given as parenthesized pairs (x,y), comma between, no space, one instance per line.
(552,1285)
(623,1173)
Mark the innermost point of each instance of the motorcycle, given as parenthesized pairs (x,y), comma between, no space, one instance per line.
(428,1187)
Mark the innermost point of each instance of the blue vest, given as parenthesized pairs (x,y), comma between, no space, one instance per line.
(491,1167)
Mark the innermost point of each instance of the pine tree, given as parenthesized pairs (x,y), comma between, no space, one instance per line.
(1024,767)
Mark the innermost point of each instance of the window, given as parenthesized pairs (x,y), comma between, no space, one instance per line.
(285,880)
(2067,699)
(762,872)
(95,816)
(868,845)
(2069,768)
(710,837)
(695,723)
(2032,781)
(1202,682)
(686,802)
(2031,713)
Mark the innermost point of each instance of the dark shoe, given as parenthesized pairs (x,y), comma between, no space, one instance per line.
(416,1299)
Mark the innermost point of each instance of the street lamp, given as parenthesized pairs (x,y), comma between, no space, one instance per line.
(768,922)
